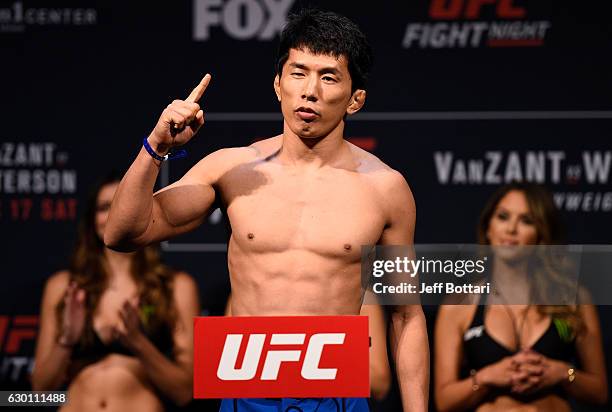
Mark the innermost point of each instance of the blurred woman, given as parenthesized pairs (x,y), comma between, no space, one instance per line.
(116,328)
(519,357)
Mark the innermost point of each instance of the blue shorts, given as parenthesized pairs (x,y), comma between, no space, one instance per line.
(295,405)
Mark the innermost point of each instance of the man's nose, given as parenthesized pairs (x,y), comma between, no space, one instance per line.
(311,86)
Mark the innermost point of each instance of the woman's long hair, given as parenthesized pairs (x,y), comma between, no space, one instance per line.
(89,270)
(548,268)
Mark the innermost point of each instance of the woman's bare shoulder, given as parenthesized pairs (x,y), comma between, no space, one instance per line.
(459,315)
(59,279)
(56,286)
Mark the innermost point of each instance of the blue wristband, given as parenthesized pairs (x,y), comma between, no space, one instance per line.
(168,156)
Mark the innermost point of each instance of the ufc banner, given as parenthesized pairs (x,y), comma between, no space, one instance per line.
(286,356)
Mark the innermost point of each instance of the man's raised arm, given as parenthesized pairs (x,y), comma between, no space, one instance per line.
(138,218)
(411,344)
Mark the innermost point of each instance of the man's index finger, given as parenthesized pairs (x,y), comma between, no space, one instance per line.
(197,93)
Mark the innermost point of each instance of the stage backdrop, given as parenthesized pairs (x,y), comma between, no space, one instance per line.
(465,95)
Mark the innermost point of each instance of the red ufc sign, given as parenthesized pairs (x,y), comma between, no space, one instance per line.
(471,9)
(23,328)
(275,357)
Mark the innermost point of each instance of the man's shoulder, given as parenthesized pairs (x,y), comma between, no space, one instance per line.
(244,154)
(267,147)
(392,188)
(233,155)
(381,174)
(224,162)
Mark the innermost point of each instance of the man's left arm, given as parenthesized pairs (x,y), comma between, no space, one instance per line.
(411,348)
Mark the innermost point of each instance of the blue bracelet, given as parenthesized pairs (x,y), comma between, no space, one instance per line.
(168,156)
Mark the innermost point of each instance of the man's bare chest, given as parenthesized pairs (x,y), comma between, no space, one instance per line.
(328,214)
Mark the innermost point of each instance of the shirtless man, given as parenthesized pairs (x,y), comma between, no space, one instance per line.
(300,204)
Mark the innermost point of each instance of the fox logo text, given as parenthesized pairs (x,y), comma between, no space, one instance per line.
(240,19)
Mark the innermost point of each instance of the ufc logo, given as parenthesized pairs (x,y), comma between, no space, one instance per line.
(471,9)
(281,357)
(227,370)
(23,328)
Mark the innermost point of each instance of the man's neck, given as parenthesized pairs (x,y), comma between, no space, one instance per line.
(328,150)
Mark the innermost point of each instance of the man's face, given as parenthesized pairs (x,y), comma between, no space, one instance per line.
(315,93)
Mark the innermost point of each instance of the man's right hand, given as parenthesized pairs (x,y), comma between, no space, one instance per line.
(180,121)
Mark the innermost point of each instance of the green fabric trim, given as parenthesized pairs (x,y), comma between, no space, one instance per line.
(563,329)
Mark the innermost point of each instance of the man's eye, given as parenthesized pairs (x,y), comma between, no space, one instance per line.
(329,79)
(297,74)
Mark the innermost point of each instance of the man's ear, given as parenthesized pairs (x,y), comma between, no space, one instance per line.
(357,101)
(277,87)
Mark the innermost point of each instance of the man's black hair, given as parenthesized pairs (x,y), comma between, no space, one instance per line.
(323,32)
